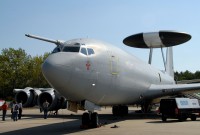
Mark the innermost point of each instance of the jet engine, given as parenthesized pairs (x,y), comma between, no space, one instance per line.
(27,96)
(56,101)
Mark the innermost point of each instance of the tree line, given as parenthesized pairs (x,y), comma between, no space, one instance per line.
(20,70)
(187,75)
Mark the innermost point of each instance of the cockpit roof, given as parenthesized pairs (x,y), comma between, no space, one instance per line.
(93,46)
(75,48)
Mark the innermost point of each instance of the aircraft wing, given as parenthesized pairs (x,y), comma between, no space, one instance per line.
(174,89)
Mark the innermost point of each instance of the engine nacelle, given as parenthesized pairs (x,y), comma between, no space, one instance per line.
(28,96)
(56,101)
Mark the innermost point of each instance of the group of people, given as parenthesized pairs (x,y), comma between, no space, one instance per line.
(16,110)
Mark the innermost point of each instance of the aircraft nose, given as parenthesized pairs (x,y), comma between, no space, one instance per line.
(55,67)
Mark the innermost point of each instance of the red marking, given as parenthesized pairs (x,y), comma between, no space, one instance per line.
(88,65)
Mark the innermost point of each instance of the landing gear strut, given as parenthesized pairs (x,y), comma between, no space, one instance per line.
(146,106)
(90,120)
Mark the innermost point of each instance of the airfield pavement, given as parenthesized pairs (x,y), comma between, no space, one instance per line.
(66,122)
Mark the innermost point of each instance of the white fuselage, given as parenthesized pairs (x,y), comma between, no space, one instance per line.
(110,76)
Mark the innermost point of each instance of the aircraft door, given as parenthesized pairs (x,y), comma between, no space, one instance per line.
(114,65)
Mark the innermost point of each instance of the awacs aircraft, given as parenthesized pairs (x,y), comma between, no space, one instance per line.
(90,73)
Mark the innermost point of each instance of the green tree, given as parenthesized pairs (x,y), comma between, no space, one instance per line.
(187,75)
(197,75)
(37,78)
(19,70)
(12,69)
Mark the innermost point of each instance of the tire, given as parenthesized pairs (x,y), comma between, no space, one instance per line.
(124,110)
(193,117)
(94,120)
(120,110)
(115,110)
(85,119)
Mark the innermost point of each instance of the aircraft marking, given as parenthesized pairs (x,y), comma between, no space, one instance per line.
(88,65)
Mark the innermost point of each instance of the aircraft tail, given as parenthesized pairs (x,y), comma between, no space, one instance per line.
(169,62)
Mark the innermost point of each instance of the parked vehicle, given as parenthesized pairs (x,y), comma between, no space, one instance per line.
(179,108)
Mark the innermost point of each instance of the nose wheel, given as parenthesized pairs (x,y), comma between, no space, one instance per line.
(90,120)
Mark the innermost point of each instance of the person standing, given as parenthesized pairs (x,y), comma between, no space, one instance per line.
(15,110)
(20,110)
(45,106)
(4,109)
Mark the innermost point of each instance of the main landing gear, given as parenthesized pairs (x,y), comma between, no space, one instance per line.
(120,110)
(146,106)
(90,120)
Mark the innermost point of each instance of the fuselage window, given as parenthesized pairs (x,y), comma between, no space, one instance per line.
(57,49)
(84,51)
(90,51)
(71,49)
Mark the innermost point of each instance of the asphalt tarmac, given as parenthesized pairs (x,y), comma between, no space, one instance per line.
(66,122)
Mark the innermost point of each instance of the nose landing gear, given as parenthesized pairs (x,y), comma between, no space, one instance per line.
(90,120)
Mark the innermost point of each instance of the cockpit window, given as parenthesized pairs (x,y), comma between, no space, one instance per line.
(83,51)
(57,49)
(87,51)
(71,49)
(77,44)
(90,51)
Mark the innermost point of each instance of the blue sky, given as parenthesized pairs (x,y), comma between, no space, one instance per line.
(107,20)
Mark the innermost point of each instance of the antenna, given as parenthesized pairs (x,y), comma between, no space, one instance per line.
(57,42)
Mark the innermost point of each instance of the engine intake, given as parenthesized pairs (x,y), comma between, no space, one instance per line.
(27,96)
(56,101)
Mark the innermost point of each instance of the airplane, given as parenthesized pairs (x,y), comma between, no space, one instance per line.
(90,73)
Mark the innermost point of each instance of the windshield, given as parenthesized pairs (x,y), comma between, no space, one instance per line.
(82,49)
(57,49)
(71,49)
